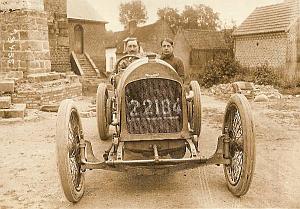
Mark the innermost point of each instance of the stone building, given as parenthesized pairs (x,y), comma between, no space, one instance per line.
(197,47)
(270,34)
(149,37)
(86,31)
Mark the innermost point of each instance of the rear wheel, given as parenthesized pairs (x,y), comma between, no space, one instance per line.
(103,112)
(194,108)
(68,135)
(238,124)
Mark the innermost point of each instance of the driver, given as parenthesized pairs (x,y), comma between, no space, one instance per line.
(132,47)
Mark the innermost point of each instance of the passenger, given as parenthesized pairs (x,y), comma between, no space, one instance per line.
(167,48)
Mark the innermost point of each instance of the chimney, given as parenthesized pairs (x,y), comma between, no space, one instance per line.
(132,26)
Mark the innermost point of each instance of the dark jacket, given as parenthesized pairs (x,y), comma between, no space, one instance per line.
(175,62)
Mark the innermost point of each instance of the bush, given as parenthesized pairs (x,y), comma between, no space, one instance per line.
(265,75)
(289,82)
(222,70)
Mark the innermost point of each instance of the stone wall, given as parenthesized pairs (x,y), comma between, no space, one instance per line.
(254,50)
(36,5)
(93,40)
(24,41)
(58,35)
(37,95)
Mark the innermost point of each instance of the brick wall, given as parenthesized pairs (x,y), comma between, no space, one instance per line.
(254,50)
(93,40)
(24,41)
(58,35)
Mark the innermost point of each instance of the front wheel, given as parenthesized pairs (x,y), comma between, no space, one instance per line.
(194,108)
(68,136)
(238,125)
(103,111)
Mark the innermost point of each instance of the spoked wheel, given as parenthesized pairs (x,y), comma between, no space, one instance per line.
(103,111)
(68,135)
(194,108)
(238,124)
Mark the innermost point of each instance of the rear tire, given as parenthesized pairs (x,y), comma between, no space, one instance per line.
(238,124)
(68,136)
(102,111)
(194,108)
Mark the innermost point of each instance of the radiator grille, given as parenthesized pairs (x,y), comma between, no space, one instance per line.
(153,106)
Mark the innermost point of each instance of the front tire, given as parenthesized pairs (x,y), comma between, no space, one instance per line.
(68,136)
(194,108)
(102,111)
(238,124)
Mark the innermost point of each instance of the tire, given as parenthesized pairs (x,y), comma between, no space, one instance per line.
(102,111)
(239,125)
(68,134)
(194,108)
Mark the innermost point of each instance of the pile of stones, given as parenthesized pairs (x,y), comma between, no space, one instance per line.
(256,92)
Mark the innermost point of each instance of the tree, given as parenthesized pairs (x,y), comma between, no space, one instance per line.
(171,16)
(134,10)
(200,17)
(193,17)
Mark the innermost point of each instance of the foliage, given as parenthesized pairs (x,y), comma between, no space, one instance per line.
(134,10)
(199,17)
(265,75)
(171,16)
(222,70)
(229,39)
(192,17)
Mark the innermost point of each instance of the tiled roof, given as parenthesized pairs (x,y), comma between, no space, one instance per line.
(272,18)
(81,9)
(202,39)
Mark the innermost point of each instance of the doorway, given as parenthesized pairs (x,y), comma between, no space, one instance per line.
(78,46)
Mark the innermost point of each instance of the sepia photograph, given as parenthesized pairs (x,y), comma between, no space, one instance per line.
(149,104)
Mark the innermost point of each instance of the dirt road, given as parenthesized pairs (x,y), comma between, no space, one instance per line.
(29,178)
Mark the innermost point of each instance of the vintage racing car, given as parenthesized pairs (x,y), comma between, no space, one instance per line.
(154,116)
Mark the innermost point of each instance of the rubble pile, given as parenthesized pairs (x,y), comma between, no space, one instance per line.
(269,91)
(250,90)
(222,89)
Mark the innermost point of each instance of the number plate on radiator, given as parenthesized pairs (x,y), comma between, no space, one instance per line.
(153,106)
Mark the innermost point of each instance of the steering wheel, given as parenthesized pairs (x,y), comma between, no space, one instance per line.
(116,70)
